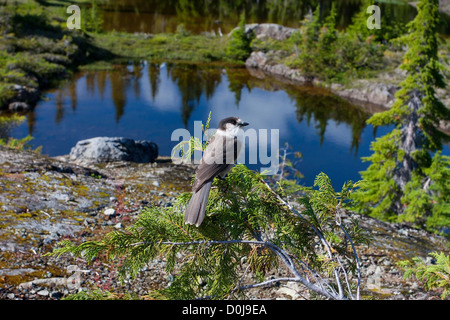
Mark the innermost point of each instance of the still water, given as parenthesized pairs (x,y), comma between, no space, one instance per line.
(149,101)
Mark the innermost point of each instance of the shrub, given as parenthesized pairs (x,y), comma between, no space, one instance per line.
(434,276)
(239,46)
(408,177)
(250,229)
(330,55)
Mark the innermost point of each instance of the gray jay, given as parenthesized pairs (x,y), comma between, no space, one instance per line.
(218,158)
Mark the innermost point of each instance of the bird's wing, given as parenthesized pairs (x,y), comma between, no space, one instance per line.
(217,157)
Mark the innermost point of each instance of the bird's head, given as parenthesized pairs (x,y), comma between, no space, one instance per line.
(231,124)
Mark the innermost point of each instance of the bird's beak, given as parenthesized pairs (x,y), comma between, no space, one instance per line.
(243,124)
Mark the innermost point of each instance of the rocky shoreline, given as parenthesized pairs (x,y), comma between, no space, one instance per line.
(375,93)
(44,200)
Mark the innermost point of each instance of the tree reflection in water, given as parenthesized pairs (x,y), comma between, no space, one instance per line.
(150,100)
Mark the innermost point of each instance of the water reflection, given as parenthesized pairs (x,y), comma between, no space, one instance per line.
(314,105)
(154,16)
(149,101)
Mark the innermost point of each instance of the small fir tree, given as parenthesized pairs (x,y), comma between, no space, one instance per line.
(239,47)
(251,228)
(326,46)
(407,179)
(434,276)
(307,41)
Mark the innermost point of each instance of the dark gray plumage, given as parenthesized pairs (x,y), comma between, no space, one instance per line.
(218,158)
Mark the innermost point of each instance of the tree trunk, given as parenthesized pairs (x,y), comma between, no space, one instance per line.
(410,141)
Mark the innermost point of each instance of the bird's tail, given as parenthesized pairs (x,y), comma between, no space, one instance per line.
(195,210)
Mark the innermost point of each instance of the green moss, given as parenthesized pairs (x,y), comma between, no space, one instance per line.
(24,215)
(36,48)
(98,66)
(103,194)
(168,47)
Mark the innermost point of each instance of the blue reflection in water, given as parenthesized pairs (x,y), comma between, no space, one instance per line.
(148,101)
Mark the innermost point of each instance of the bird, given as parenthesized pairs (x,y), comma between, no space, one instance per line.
(218,158)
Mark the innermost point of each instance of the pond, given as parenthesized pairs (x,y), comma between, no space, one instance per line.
(144,100)
(149,101)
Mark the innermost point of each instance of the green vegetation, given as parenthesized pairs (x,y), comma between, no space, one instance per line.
(37,50)
(391,28)
(239,46)
(19,144)
(435,275)
(408,178)
(331,55)
(6,125)
(249,228)
(163,47)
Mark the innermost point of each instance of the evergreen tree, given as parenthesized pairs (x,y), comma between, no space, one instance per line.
(326,45)
(333,56)
(239,47)
(358,28)
(407,179)
(307,41)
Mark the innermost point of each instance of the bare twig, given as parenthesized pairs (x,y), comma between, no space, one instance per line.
(319,234)
(358,268)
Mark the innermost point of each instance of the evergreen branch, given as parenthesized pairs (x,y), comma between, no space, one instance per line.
(316,230)
(252,221)
(280,253)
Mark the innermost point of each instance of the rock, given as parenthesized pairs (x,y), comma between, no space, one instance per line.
(381,94)
(386,248)
(365,91)
(290,289)
(109,212)
(156,183)
(373,281)
(56,295)
(19,106)
(269,30)
(256,60)
(43,293)
(24,98)
(107,149)
(43,188)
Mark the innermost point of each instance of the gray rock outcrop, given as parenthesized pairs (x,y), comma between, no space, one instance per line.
(110,149)
(259,60)
(365,91)
(271,30)
(362,91)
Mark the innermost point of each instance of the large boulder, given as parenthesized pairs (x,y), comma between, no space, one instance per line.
(268,30)
(110,149)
